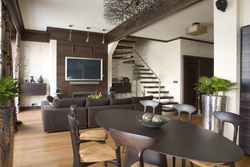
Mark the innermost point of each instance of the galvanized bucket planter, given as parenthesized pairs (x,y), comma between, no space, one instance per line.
(209,105)
(7,132)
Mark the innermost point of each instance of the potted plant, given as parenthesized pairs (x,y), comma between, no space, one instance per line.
(213,98)
(9,88)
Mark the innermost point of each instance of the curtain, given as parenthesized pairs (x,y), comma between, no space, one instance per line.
(6,53)
(16,67)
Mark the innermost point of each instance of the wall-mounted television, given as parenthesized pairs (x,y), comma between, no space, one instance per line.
(83,69)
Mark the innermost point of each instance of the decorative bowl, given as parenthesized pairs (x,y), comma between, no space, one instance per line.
(153,124)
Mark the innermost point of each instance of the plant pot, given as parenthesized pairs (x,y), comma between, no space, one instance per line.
(7,128)
(209,105)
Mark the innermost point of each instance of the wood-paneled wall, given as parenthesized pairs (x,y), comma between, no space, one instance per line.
(244,139)
(79,48)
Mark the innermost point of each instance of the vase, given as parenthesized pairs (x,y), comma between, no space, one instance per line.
(40,79)
(209,105)
(7,128)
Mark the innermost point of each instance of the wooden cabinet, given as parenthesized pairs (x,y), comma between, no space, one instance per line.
(122,87)
(32,89)
(244,137)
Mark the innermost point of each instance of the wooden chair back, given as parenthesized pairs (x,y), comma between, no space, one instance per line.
(185,108)
(73,123)
(150,103)
(138,142)
(232,118)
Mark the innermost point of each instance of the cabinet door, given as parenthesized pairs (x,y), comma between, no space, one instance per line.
(244,132)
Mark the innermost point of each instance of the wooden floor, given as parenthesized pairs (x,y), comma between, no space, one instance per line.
(35,148)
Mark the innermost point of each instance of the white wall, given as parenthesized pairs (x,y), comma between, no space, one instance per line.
(227,52)
(34,62)
(166,61)
(244,13)
(53,66)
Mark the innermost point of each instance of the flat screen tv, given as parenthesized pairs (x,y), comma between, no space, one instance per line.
(83,69)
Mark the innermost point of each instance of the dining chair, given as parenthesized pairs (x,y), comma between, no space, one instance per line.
(223,117)
(185,108)
(138,142)
(99,136)
(147,103)
(95,153)
(150,103)
(188,109)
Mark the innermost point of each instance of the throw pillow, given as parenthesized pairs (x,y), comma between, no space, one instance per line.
(49,98)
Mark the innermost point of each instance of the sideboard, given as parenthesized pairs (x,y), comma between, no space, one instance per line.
(33,89)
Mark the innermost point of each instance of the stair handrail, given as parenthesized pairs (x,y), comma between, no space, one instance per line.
(152,72)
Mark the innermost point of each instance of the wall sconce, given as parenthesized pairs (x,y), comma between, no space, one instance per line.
(70,32)
(221,5)
(103,39)
(87,40)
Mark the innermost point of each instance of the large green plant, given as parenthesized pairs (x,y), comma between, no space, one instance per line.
(214,85)
(9,88)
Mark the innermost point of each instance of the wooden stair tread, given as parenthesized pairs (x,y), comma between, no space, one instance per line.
(165,97)
(122,50)
(123,57)
(138,65)
(149,82)
(129,62)
(143,73)
(126,41)
(168,108)
(153,86)
(157,92)
(124,47)
(141,69)
(147,77)
(125,44)
(169,103)
(122,53)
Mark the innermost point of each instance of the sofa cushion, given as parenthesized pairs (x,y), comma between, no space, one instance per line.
(97,102)
(138,99)
(120,101)
(65,103)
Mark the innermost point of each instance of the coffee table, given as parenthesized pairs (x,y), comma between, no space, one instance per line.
(176,138)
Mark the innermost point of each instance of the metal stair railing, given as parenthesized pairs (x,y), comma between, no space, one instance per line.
(152,72)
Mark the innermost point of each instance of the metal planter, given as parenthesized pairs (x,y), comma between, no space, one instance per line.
(209,105)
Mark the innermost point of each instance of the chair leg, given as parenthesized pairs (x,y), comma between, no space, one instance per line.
(123,149)
(183,162)
(105,163)
(174,161)
(192,165)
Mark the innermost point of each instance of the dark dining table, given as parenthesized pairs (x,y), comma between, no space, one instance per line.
(175,138)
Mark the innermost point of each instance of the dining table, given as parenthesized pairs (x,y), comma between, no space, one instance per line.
(175,138)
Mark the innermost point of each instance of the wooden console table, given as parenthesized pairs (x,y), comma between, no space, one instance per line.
(33,89)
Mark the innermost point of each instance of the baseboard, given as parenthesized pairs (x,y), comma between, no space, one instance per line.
(29,108)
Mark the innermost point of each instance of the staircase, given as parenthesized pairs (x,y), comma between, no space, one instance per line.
(142,73)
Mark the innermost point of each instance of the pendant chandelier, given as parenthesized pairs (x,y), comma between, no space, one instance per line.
(120,11)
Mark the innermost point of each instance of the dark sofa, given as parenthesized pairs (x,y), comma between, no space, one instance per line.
(54,114)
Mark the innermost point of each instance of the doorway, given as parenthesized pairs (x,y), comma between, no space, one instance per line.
(194,68)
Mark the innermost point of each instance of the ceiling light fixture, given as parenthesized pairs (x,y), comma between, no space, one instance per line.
(196,29)
(103,39)
(87,40)
(120,11)
(70,32)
